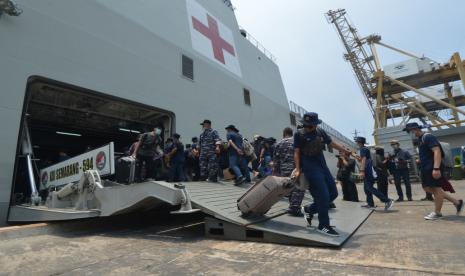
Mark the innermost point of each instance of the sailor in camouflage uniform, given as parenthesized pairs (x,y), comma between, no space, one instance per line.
(208,151)
(284,155)
(283,160)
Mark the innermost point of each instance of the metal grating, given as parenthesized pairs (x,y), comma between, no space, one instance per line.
(219,201)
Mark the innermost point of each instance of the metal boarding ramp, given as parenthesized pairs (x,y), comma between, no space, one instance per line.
(219,200)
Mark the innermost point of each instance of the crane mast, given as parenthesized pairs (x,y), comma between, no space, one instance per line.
(403,97)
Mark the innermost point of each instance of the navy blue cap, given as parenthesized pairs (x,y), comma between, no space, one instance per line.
(232,127)
(311,119)
(411,126)
(206,121)
(361,140)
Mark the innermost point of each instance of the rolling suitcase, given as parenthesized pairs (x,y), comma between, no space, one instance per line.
(264,194)
(125,168)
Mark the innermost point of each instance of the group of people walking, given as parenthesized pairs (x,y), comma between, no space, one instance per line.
(203,160)
(300,155)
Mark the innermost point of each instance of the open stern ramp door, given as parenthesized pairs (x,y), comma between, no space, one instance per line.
(107,199)
(220,201)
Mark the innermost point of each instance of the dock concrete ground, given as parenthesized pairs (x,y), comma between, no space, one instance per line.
(399,242)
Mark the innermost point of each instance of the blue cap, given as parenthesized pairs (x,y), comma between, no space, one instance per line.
(361,140)
(411,126)
(311,119)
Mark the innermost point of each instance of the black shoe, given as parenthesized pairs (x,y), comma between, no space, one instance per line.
(367,206)
(307,216)
(328,230)
(295,213)
(212,180)
(388,205)
(459,207)
(427,199)
(239,181)
(400,199)
(332,205)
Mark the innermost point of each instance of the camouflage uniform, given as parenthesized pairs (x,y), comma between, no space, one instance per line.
(208,160)
(283,158)
(284,165)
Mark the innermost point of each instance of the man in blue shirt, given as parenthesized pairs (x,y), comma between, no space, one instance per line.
(367,172)
(236,155)
(177,160)
(431,169)
(309,144)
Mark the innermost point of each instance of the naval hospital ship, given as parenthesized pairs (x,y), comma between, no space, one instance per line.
(81,74)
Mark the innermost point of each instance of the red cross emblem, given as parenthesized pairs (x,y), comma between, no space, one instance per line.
(212,33)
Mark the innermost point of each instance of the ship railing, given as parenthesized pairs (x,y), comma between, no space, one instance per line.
(257,44)
(300,111)
(229,4)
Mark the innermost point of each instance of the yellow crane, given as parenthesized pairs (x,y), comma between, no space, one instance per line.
(386,95)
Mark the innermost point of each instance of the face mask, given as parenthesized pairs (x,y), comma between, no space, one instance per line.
(395,147)
(157,131)
(310,129)
(412,135)
(169,144)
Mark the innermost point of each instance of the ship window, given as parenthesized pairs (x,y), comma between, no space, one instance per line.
(187,67)
(293,120)
(247,97)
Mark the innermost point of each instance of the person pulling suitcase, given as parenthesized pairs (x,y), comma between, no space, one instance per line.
(309,143)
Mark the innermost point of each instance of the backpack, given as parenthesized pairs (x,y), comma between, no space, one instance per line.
(249,150)
(447,160)
(149,145)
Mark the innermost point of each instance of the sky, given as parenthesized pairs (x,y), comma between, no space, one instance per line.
(310,53)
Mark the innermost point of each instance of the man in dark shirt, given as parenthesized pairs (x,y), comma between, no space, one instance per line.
(257,146)
(265,158)
(401,159)
(309,143)
(177,160)
(189,163)
(195,153)
(381,168)
(431,169)
(145,152)
(369,177)
(346,167)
